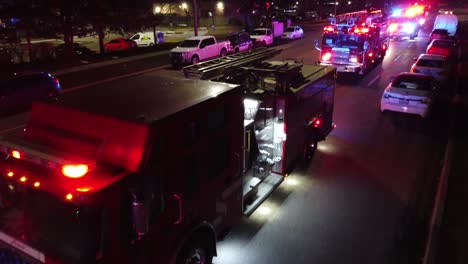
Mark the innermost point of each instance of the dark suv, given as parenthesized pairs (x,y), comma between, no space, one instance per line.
(19,91)
(239,42)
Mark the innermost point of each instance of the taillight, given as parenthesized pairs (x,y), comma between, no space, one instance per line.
(370,54)
(16,154)
(75,171)
(317,122)
(430,50)
(326,56)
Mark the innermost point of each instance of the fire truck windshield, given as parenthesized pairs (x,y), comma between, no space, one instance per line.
(353,41)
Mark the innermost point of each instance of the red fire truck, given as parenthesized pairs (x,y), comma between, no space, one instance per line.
(155,174)
(353,42)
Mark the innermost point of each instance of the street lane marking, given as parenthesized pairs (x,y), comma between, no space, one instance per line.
(373,80)
(397,57)
(79,87)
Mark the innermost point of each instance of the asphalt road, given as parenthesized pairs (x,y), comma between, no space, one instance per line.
(373,173)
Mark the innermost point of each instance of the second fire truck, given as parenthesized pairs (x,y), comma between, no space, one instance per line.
(354,42)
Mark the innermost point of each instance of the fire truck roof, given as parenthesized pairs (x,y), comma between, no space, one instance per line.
(144,98)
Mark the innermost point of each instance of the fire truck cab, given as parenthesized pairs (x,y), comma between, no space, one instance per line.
(406,22)
(353,42)
(150,176)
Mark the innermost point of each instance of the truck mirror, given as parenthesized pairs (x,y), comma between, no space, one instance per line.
(317,45)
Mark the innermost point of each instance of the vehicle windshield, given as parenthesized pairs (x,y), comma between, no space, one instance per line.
(258,32)
(135,37)
(343,40)
(289,29)
(189,43)
(430,63)
(115,41)
(413,82)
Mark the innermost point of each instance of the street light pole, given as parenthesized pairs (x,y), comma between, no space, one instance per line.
(195,18)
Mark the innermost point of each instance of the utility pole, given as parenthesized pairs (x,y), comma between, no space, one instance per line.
(195,17)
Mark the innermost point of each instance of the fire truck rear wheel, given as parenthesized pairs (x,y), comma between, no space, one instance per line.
(195,252)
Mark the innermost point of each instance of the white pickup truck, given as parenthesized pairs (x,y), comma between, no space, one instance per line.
(195,49)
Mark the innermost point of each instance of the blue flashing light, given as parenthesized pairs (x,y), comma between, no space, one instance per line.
(397,12)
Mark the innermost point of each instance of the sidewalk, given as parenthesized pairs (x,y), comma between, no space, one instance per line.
(452,242)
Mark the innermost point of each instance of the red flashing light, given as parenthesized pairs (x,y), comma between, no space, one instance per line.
(365,30)
(384,47)
(10,174)
(329,28)
(69,197)
(75,171)
(37,184)
(326,56)
(83,189)
(317,122)
(16,154)
(56,80)
(370,54)
(23,179)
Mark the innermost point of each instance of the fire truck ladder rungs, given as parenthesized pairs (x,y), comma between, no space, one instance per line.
(213,68)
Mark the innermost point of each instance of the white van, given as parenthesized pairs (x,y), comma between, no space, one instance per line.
(145,39)
(448,22)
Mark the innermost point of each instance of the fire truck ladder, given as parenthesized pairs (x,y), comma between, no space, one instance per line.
(350,19)
(216,67)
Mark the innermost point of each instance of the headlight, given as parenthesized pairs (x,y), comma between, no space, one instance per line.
(353,59)
(409,28)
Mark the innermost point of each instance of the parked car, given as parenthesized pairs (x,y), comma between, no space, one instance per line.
(78,50)
(262,36)
(444,47)
(120,44)
(292,33)
(438,34)
(239,42)
(19,91)
(146,39)
(436,65)
(448,22)
(195,49)
(411,93)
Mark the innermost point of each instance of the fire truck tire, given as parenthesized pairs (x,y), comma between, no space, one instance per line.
(310,147)
(195,59)
(197,251)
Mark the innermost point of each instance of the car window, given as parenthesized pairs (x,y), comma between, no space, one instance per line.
(189,43)
(206,42)
(443,44)
(431,63)
(440,31)
(115,41)
(135,37)
(259,32)
(289,29)
(414,82)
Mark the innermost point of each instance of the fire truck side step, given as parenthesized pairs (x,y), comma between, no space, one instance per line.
(265,188)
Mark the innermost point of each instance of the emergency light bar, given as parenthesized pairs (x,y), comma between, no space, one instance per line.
(71,168)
